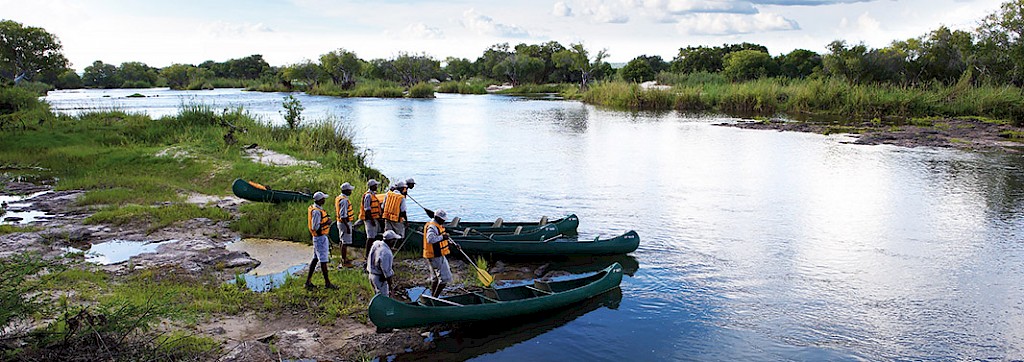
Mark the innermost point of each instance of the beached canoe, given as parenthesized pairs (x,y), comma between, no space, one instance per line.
(561,246)
(534,231)
(255,192)
(565,226)
(492,304)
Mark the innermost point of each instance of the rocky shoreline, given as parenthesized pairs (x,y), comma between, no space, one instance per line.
(198,247)
(966,134)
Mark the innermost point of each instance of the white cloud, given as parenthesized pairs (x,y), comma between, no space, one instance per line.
(226,29)
(422,31)
(561,9)
(679,7)
(611,12)
(485,25)
(727,24)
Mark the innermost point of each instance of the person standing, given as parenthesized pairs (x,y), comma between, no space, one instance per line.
(319,225)
(371,212)
(379,265)
(343,210)
(410,183)
(436,244)
(395,210)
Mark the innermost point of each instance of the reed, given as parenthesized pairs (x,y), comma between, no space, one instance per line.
(703,92)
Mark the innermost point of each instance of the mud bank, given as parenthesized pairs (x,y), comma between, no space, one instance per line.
(965,134)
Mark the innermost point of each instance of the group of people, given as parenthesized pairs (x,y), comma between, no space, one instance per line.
(385,224)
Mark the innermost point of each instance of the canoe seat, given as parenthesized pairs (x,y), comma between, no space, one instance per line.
(435,299)
(519,229)
(497,223)
(530,287)
(492,294)
(466,231)
(543,220)
(454,223)
(542,286)
(485,298)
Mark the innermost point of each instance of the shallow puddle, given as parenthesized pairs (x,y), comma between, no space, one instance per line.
(19,212)
(278,260)
(118,251)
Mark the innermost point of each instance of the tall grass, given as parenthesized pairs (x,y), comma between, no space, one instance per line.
(705,92)
(365,88)
(463,87)
(421,90)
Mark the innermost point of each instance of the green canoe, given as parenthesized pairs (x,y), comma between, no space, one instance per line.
(537,232)
(492,304)
(565,226)
(562,246)
(255,192)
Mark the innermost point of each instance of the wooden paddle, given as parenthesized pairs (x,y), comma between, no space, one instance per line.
(430,213)
(485,278)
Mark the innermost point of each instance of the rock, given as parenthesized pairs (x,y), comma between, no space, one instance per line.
(13,219)
(267,338)
(499,267)
(217,331)
(79,235)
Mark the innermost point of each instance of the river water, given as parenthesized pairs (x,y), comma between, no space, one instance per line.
(755,245)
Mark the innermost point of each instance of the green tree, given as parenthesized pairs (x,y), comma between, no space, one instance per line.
(342,66)
(643,68)
(186,76)
(459,68)
(306,72)
(577,59)
(1000,50)
(27,51)
(410,69)
(519,67)
(137,75)
(749,64)
(491,57)
(101,75)
(799,63)
(68,80)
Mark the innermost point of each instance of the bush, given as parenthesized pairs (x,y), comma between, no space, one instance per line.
(22,106)
(292,111)
(421,90)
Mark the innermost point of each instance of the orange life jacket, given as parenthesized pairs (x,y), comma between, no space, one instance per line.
(256,185)
(374,207)
(437,249)
(318,227)
(337,207)
(393,206)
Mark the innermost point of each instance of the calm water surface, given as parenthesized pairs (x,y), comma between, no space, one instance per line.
(756,245)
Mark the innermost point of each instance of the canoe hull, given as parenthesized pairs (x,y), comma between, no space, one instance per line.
(243,189)
(389,313)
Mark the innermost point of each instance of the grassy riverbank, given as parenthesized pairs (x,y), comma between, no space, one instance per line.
(809,97)
(139,172)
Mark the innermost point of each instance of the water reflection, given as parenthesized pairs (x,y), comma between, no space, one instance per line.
(479,339)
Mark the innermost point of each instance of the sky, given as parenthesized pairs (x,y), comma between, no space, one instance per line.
(160,33)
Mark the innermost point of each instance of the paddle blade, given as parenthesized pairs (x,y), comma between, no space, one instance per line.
(485,278)
(430,213)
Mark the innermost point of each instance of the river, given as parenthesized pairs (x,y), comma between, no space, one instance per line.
(755,245)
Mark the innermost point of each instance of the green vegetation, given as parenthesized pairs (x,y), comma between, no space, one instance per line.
(463,87)
(156,217)
(421,90)
(828,96)
(292,111)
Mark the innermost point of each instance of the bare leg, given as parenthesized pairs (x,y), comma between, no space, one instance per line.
(309,277)
(327,280)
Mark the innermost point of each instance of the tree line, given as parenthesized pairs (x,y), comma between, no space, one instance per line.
(993,53)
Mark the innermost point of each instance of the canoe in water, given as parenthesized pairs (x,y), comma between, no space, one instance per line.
(255,192)
(491,304)
(561,246)
(565,226)
(514,231)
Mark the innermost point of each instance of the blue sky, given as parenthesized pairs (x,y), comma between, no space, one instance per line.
(161,33)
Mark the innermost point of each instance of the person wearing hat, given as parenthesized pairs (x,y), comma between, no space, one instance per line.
(343,208)
(379,264)
(394,209)
(410,183)
(319,225)
(436,243)
(371,211)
